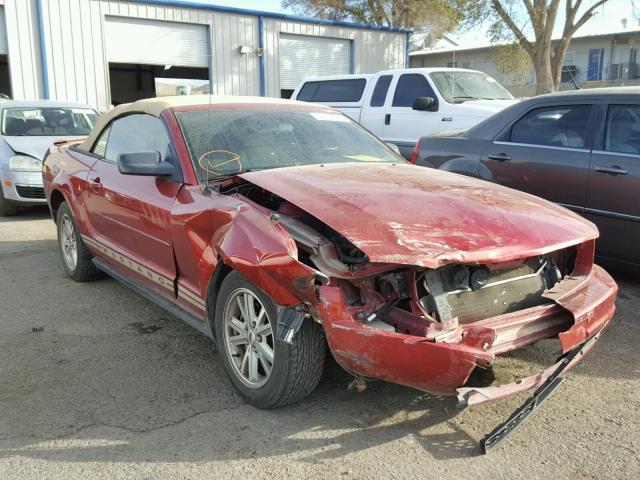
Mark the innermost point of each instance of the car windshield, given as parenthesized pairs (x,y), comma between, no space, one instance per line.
(46,122)
(458,87)
(227,141)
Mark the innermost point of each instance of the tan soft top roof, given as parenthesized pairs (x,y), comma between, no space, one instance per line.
(155,106)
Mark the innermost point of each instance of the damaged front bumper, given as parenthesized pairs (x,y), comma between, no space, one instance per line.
(442,361)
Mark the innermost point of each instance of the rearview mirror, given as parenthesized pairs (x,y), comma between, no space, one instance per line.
(144,163)
(425,104)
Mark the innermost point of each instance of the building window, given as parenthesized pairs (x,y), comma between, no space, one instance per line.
(569,59)
(452,64)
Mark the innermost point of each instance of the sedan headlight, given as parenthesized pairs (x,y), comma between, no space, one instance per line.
(25,163)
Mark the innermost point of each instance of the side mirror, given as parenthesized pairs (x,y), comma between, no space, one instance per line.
(393,147)
(144,163)
(425,104)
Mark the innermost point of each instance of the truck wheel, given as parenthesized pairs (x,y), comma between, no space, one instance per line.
(266,372)
(76,258)
(6,209)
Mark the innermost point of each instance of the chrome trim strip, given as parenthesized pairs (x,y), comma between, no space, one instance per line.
(616,154)
(129,263)
(515,144)
(575,208)
(618,216)
(191,297)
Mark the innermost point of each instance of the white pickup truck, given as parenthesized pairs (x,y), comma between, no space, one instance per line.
(400,106)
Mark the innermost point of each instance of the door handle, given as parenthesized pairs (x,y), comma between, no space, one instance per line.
(95,184)
(499,157)
(387,119)
(613,170)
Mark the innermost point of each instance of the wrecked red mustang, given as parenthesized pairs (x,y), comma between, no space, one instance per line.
(276,226)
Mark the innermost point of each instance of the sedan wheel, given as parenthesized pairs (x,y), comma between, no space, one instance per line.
(248,338)
(68,243)
(267,373)
(76,258)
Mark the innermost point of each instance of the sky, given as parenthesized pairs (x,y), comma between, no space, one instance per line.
(609,18)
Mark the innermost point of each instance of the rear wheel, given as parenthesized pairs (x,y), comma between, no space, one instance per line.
(266,372)
(76,258)
(6,209)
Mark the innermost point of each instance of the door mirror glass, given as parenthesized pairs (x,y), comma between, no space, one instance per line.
(144,163)
(425,104)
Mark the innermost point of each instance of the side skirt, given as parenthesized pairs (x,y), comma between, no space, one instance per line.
(169,306)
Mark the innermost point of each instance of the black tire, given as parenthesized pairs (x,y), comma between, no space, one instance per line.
(6,209)
(297,368)
(84,269)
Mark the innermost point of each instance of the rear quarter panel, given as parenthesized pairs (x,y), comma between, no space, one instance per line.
(65,171)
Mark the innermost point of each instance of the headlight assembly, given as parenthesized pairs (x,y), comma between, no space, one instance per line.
(25,163)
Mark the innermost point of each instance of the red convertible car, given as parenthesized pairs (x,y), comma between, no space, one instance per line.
(279,227)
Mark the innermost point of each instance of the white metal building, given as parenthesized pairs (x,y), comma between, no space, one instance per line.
(110,51)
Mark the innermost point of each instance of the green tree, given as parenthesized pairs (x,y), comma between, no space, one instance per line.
(530,23)
(438,16)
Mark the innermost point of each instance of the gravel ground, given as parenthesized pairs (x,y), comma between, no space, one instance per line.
(115,387)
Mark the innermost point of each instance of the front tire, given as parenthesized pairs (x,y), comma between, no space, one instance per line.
(76,258)
(266,372)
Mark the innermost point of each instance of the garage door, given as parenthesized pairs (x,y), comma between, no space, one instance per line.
(4,46)
(304,56)
(152,42)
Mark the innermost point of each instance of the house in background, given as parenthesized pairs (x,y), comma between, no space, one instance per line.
(591,60)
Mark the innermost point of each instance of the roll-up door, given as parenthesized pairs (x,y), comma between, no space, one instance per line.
(305,56)
(155,42)
(4,46)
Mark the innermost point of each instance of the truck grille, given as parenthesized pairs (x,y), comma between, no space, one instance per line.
(27,191)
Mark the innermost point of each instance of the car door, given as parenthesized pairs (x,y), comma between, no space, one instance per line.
(613,198)
(374,108)
(403,125)
(546,153)
(131,214)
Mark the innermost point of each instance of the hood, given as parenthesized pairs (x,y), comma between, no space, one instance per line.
(406,214)
(486,108)
(35,147)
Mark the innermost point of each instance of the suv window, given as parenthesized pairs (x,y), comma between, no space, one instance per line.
(558,126)
(138,132)
(409,87)
(380,91)
(333,91)
(623,129)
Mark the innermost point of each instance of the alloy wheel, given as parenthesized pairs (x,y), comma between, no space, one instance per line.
(68,243)
(248,338)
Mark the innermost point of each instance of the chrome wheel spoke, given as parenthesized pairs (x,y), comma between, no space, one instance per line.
(237,325)
(266,365)
(238,340)
(245,359)
(241,305)
(253,365)
(248,338)
(265,351)
(264,329)
(68,243)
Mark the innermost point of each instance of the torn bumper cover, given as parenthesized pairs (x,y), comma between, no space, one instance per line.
(582,306)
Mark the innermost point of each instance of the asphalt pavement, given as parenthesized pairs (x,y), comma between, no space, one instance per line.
(97,382)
